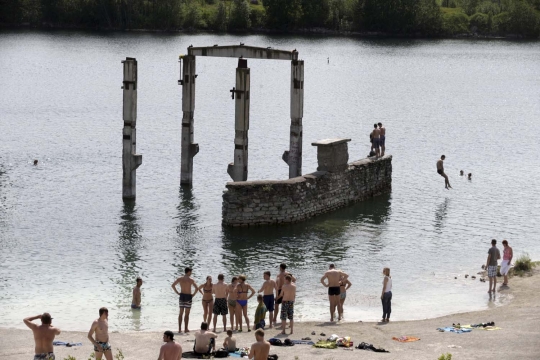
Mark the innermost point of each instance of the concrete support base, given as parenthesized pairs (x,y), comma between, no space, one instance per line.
(293,157)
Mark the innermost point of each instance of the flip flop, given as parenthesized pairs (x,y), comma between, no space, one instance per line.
(322,334)
(313,333)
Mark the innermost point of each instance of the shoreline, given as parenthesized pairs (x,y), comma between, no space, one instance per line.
(519,336)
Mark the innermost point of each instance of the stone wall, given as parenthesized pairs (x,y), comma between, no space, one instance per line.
(252,203)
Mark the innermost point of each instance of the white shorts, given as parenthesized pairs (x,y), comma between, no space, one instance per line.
(505,267)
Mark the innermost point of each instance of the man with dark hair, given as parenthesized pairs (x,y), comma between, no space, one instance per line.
(280,281)
(43,336)
(205,341)
(221,290)
(440,171)
(100,327)
(334,278)
(288,296)
(268,287)
(382,140)
(376,136)
(185,297)
(491,264)
(260,349)
(136,301)
(170,350)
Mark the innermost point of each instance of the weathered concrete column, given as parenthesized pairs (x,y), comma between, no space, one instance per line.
(189,148)
(293,157)
(239,169)
(332,154)
(130,159)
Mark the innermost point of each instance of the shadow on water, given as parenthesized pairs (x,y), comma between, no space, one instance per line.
(440,215)
(325,238)
(188,221)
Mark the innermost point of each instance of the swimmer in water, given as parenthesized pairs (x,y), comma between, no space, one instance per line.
(35,162)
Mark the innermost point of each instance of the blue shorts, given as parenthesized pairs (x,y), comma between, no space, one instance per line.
(269,302)
(382,140)
(376,142)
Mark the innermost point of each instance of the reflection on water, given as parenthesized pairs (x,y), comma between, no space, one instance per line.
(440,215)
(186,230)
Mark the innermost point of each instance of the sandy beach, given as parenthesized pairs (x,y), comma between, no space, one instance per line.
(519,337)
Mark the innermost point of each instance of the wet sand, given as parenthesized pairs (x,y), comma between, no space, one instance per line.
(519,337)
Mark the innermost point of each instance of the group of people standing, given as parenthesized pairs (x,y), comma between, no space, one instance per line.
(377,137)
(492,264)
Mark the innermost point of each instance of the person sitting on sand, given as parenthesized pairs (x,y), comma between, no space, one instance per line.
(136,300)
(386,295)
(229,343)
(288,296)
(100,327)
(43,336)
(491,264)
(170,350)
(260,314)
(440,171)
(508,254)
(205,341)
(260,349)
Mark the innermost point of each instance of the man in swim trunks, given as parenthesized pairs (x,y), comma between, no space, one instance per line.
(382,139)
(231,302)
(491,264)
(288,295)
(100,327)
(260,349)
(170,350)
(268,287)
(220,290)
(280,280)
(185,297)
(376,136)
(136,301)
(440,171)
(43,336)
(205,341)
(334,277)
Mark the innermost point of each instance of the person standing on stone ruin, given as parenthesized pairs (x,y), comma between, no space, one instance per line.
(440,171)
(382,141)
(376,137)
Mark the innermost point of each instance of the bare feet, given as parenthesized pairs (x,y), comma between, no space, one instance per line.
(186,331)
(283,332)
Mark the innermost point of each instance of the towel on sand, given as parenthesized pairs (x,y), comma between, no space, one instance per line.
(406,338)
(325,344)
(479,327)
(454,330)
(68,344)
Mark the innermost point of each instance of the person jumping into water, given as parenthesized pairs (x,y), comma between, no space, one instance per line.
(440,171)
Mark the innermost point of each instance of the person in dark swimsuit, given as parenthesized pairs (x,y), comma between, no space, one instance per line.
(242,299)
(440,171)
(208,299)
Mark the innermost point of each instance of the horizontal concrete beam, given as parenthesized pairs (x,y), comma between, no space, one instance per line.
(246,52)
(330,142)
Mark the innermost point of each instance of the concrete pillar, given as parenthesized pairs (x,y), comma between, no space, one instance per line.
(239,169)
(189,148)
(130,159)
(293,157)
(332,154)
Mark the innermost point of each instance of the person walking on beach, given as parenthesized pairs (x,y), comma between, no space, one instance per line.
(440,171)
(260,349)
(268,287)
(242,289)
(280,280)
(382,140)
(185,297)
(171,350)
(136,300)
(288,295)
(508,254)
(100,327)
(208,299)
(205,341)
(43,336)
(376,137)
(386,295)
(231,302)
(334,278)
(491,265)
(221,290)
(344,285)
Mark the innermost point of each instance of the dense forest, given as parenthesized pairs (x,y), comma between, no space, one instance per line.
(394,17)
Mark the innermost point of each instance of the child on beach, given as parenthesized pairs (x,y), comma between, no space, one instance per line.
(260,314)
(230,342)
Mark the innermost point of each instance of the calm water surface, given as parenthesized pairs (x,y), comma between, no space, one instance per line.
(69,244)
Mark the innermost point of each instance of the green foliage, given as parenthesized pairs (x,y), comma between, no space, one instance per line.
(193,17)
(524,20)
(240,15)
(283,14)
(479,23)
(523,263)
(221,20)
(470,6)
(445,357)
(119,355)
(257,17)
(70,358)
(455,23)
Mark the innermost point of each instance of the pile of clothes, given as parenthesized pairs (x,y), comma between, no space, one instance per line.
(334,341)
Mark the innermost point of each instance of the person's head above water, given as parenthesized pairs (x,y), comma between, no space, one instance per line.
(461,172)
(35,162)
(470,175)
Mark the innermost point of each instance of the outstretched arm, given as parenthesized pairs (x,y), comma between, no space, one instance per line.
(28,321)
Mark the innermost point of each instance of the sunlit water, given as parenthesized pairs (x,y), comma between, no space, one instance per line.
(69,244)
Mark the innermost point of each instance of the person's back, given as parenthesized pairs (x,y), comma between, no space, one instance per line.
(204,340)
(230,342)
(172,351)
(44,336)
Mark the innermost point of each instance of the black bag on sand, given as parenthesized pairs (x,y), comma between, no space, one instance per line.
(369,347)
(221,354)
(288,342)
(272,357)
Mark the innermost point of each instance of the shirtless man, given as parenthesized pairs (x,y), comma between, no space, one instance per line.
(288,295)
(100,327)
(376,136)
(205,341)
(268,287)
(185,297)
(136,301)
(43,336)
(231,301)
(334,277)
(440,171)
(260,349)
(280,280)
(382,140)
(170,350)
(220,290)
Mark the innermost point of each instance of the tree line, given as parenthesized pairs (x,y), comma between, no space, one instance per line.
(395,17)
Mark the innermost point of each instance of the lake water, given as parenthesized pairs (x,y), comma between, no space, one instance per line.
(69,244)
